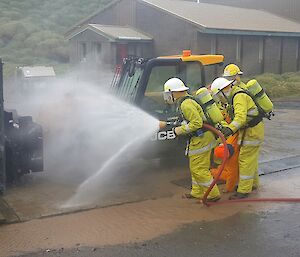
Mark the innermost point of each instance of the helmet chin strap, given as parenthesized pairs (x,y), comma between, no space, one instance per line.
(225,95)
(235,82)
(173,99)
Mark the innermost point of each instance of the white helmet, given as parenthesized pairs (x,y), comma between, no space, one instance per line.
(174,85)
(219,84)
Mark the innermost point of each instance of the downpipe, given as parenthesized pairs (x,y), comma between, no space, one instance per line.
(221,168)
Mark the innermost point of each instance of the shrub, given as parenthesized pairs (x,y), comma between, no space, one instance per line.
(32,30)
(277,86)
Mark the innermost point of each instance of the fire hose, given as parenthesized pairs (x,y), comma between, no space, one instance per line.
(220,170)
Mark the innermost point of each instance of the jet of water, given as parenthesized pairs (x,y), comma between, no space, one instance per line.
(84,194)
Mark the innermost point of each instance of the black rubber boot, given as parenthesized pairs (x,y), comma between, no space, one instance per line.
(215,199)
(238,195)
(188,196)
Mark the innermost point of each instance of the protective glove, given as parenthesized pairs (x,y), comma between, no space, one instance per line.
(226,131)
(162,124)
(177,131)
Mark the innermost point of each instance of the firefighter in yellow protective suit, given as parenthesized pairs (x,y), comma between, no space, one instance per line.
(200,143)
(233,72)
(245,119)
(230,173)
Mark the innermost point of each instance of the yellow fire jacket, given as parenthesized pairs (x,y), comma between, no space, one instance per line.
(244,109)
(194,116)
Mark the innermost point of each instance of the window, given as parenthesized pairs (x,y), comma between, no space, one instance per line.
(159,75)
(96,50)
(128,85)
(189,72)
(82,51)
(194,76)
(153,101)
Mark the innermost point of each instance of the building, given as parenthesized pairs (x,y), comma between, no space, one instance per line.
(287,8)
(259,42)
(100,43)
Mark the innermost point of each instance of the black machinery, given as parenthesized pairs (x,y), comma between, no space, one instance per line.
(21,144)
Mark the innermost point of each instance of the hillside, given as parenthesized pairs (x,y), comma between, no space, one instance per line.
(31,31)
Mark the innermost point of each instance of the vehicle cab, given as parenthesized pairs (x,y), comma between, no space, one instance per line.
(141,81)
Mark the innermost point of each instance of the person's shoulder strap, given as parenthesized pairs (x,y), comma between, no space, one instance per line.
(186,97)
(240,92)
(181,101)
(256,119)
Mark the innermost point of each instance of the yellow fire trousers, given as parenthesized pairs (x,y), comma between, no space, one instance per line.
(201,176)
(248,166)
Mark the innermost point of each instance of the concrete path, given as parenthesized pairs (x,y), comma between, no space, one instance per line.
(126,228)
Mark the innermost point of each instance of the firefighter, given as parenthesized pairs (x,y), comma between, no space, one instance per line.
(200,143)
(233,72)
(230,174)
(245,119)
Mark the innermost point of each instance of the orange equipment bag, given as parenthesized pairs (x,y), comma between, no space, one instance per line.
(230,173)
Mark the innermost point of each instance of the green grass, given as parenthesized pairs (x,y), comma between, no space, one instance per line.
(32,31)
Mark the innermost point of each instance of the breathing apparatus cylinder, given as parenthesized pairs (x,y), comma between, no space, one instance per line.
(260,96)
(210,108)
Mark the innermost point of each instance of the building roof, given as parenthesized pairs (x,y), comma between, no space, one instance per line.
(217,19)
(95,13)
(212,18)
(37,71)
(287,8)
(113,33)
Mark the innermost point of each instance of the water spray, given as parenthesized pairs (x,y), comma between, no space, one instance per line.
(88,183)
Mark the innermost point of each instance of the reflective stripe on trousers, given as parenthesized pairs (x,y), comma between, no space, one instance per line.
(202,150)
(246,177)
(251,142)
(201,176)
(207,184)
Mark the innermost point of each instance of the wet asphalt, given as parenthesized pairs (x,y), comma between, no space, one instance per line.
(275,234)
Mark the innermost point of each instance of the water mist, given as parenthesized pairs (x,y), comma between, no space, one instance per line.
(89,134)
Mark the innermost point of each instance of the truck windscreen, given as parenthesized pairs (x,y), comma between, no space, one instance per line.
(189,72)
